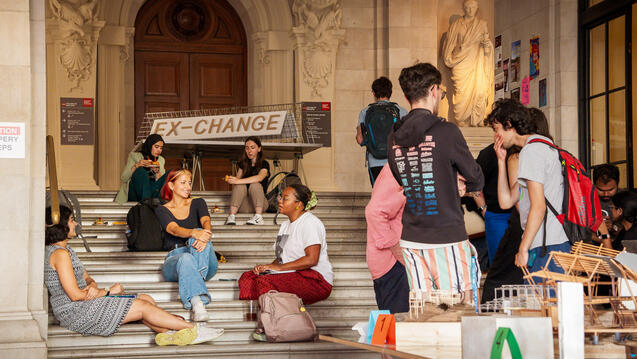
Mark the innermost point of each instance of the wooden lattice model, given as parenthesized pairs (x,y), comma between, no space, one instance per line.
(417,299)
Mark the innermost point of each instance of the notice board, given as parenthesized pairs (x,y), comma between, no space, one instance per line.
(77,121)
(317,122)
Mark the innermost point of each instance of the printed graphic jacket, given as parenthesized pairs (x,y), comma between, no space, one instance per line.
(425,154)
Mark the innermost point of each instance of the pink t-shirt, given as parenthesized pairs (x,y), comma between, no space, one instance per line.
(384,214)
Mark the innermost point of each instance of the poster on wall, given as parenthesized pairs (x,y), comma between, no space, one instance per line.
(524,91)
(515,61)
(77,123)
(515,93)
(498,53)
(542,90)
(12,139)
(499,86)
(317,122)
(505,69)
(534,57)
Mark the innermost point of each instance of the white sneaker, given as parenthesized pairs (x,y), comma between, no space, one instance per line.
(199,313)
(230,220)
(256,220)
(205,334)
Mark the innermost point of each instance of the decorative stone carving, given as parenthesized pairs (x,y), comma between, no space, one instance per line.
(263,53)
(125,50)
(78,37)
(468,51)
(318,34)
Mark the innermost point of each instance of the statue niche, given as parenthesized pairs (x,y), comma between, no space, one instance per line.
(468,52)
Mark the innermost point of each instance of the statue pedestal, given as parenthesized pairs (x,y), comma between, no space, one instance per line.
(477,138)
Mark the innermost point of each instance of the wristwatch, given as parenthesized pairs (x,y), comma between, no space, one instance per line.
(602,236)
(483,208)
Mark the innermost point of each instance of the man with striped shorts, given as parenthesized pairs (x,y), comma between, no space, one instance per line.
(426,154)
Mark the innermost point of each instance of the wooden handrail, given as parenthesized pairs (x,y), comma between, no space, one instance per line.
(53,180)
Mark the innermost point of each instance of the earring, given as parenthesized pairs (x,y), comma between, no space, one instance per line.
(297,207)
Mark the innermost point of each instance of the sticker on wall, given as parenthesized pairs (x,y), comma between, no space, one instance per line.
(534,57)
(12,139)
(524,91)
(542,90)
(498,53)
(515,61)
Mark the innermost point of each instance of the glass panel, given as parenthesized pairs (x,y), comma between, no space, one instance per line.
(597,37)
(616,53)
(598,130)
(617,125)
(594,2)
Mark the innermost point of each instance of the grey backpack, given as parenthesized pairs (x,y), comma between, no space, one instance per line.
(284,319)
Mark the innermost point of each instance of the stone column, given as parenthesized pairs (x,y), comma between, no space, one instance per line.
(72,34)
(317,36)
(23,315)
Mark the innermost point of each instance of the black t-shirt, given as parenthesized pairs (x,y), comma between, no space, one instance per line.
(488,161)
(198,209)
(625,235)
(253,171)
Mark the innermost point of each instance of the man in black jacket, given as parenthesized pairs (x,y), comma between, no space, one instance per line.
(426,154)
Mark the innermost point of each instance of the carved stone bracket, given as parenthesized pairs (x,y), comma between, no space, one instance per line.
(317,35)
(261,46)
(125,50)
(77,32)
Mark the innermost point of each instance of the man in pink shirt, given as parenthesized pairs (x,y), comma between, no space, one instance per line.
(384,256)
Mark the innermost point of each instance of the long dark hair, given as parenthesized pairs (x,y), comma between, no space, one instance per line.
(245,163)
(58,232)
(627,201)
(147,147)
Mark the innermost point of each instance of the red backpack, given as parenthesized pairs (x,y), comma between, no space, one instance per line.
(581,211)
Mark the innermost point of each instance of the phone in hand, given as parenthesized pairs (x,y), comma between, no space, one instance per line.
(531,260)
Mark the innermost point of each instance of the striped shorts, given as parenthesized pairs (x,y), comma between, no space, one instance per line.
(446,267)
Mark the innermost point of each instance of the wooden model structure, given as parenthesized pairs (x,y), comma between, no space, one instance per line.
(417,300)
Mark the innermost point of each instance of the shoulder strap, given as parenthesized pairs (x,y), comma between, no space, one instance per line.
(548,143)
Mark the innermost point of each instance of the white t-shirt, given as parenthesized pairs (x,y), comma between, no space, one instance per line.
(541,163)
(295,236)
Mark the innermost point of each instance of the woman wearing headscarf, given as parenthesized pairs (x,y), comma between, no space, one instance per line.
(144,173)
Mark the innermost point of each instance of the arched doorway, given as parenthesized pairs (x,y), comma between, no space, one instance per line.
(190,54)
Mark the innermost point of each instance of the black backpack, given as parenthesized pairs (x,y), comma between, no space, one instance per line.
(379,119)
(273,202)
(145,232)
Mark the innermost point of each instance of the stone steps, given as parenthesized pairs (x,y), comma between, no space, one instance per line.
(239,349)
(351,299)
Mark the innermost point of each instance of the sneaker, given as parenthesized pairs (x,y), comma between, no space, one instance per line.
(205,334)
(230,220)
(260,337)
(199,313)
(256,220)
(181,337)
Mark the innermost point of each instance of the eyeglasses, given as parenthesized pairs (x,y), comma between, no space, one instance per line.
(279,198)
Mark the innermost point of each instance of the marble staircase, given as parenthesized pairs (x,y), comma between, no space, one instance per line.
(351,300)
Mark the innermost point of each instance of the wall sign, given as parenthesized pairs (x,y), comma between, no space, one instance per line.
(317,122)
(12,141)
(77,121)
(222,126)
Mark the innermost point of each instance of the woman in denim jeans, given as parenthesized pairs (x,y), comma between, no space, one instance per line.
(191,260)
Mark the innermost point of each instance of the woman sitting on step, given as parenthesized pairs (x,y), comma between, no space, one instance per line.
(144,174)
(250,184)
(192,260)
(301,266)
(79,305)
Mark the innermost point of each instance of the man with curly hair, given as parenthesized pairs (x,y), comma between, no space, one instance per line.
(539,180)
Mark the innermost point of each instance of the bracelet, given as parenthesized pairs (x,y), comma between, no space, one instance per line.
(482,208)
(108,292)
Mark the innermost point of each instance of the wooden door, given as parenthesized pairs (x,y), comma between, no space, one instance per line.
(190,54)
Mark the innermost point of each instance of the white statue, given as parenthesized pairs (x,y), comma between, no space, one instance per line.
(468,51)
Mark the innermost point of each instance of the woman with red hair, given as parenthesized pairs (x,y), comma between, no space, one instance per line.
(191,260)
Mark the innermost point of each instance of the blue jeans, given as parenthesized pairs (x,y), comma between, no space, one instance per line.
(495,224)
(541,261)
(191,269)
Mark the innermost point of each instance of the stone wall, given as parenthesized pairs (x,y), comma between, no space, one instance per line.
(23,315)
(555,22)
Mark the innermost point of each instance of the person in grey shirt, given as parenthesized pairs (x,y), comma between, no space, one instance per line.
(382,90)
(539,179)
